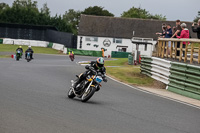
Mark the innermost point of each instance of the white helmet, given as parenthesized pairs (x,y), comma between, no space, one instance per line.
(29,46)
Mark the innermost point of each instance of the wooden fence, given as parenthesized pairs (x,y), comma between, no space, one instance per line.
(179,51)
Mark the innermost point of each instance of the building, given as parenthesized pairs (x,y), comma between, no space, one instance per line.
(115,34)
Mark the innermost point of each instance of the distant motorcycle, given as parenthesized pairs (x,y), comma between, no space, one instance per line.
(18,55)
(86,89)
(71,56)
(28,58)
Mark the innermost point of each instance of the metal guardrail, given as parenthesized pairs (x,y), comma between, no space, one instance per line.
(192,53)
(156,68)
(180,78)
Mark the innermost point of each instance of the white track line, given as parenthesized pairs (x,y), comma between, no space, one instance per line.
(154,93)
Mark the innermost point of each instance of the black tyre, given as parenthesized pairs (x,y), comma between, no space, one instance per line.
(17,58)
(71,94)
(87,95)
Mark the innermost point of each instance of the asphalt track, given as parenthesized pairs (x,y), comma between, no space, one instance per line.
(33,99)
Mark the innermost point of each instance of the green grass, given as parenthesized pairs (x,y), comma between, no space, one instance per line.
(12,48)
(196,44)
(117,62)
(127,73)
(5,56)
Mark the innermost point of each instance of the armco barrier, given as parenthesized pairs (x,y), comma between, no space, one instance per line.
(8,41)
(65,51)
(185,80)
(25,42)
(156,68)
(85,52)
(58,46)
(180,78)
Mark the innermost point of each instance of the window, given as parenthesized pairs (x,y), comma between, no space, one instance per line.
(117,40)
(91,39)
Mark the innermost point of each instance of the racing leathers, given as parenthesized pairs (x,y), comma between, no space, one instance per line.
(31,53)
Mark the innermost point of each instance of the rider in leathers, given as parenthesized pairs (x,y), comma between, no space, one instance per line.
(31,52)
(98,66)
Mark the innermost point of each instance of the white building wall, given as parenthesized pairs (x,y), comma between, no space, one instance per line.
(113,46)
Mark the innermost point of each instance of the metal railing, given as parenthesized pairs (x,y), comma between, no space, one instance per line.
(190,52)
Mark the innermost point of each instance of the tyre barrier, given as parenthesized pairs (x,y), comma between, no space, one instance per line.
(179,77)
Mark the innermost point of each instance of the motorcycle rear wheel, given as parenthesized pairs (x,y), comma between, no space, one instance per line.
(87,95)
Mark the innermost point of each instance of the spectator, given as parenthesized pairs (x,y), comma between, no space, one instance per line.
(177,31)
(168,35)
(196,29)
(162,34)
(184,34)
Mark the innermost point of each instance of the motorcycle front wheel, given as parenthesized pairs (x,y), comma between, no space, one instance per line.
(71,94)
(87,95)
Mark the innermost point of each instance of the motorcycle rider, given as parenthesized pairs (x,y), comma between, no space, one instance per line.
(98,66)
(71,52)
(31,52)
(20,49)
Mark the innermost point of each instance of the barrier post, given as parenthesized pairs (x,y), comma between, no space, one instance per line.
(163,49)
(175,50)
(199,55)
(167,48)
(192,50)
(181,51)
(171,50)
(186,49)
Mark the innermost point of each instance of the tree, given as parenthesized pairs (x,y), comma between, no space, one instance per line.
(141,13)
(197,17)
(72,17)
(26,12)
(45,10)
(98,11)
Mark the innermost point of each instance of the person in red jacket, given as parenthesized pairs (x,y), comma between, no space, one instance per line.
(184,34)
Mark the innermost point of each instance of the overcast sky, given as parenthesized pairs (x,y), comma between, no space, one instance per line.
(185,10)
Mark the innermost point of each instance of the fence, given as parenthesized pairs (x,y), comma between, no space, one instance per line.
(178,50)
(39,33)
(179,77)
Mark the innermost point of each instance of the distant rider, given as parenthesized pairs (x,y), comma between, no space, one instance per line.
(71,52)
(31,52)
(98,66)
(20,49)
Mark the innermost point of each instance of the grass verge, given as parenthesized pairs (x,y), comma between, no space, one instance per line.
(127,73)
(12,48)
(5,56)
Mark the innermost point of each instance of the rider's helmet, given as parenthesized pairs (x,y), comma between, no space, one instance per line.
(29,46)
(100,62)
(20,46)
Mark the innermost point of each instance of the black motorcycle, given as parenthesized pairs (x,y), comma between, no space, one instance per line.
(86,89)
(28,58)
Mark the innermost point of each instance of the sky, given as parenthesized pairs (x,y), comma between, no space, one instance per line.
(185,10)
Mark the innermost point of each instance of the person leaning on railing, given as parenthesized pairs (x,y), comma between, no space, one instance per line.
(177,31)
(162,34)
(184,34)
(196,29)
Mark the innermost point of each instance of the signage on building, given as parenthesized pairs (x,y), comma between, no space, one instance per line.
(107,43)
